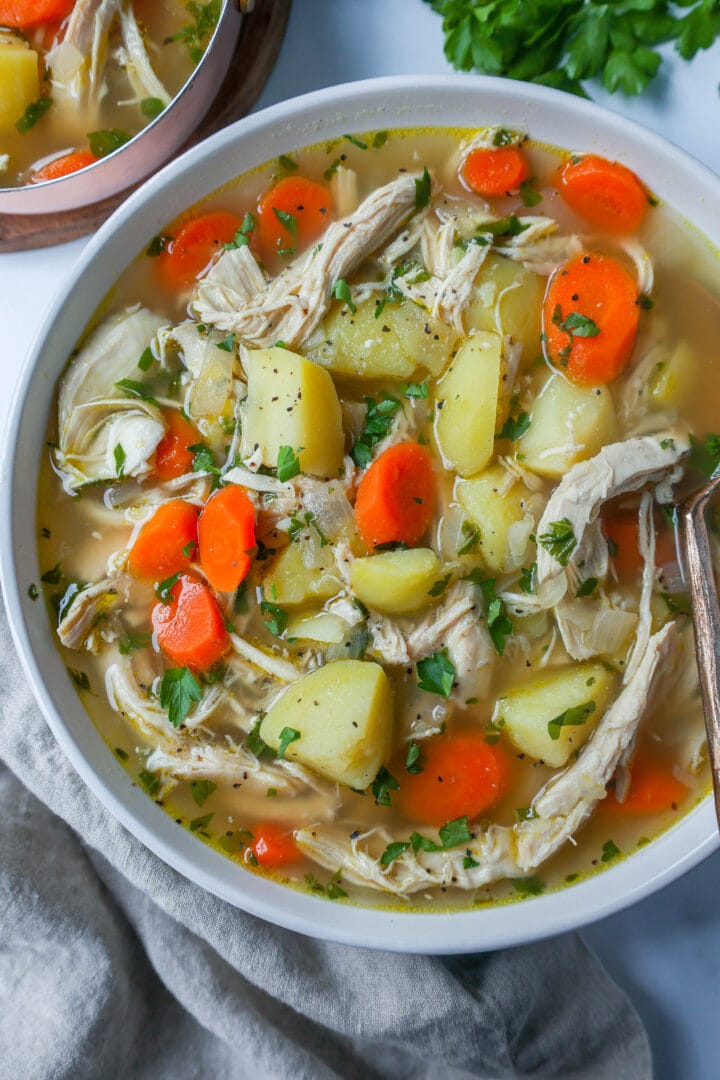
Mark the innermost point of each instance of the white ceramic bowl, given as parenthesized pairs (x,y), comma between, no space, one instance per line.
(465,101)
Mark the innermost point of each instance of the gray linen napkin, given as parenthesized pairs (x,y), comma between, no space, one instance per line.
(113,965)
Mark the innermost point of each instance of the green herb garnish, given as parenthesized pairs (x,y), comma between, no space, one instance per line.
(288,735)
(514,427)
(382,785)
(278,618)
(423,190)
(559,540)
(196,34)
(341,291)
(178,690)
(574,717)
(201,790)
(587,587)
(436,674)
(288,463)
(413,759)
(34,112)
(151,107)
(103,143)
(134,389)
(378,422)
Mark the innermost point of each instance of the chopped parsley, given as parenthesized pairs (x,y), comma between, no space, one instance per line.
(587,587)
(286,165)
(498,623)
(119,455)
(242,235)
(201,790)
(525,813)
(526,583)
(332,889)
(529,195)
(472,538)
(308,520)
(34,112)
(150,782)
(644,302)
(146,359)
(196,34)
(107,142)
(33,591)
(383,784)
(610,851)
(288,221)
(423,190)
(414,390)
(573,717)
(288,463)
(440,586)
(228,344)
(134,389)
(151,107)
(278,618)
(529,886)
(705,455)
(514,427)
(380,138)
(378,422)
(452,834)
(157,245)
(288,735)
(413,759)
(179,689)
(341,291)
(129,643)
(559,540)
(200,824)
(164,588)
(80,678)
(255,742)
(356,142)
(436,674)
(53,576)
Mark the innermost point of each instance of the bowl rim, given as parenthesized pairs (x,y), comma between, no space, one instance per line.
(673,853)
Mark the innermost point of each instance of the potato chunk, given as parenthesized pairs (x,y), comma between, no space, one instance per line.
(321,626)
(569,424)
(495,515)
(675,378)
(303,572)
(392,346)
(342,714)
(396,581)
(526,713)
(467,404)
(292,402)
(19,79)
(508,298)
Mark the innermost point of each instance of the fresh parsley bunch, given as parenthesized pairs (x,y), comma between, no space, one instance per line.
(561,42)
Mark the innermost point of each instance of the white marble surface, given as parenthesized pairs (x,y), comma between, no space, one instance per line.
(664,951)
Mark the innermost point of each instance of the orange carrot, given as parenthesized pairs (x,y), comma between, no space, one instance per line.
(605,193)
(396,496)
(653,789)
(272,846)
(166,543)
(623,530)
(32,12)
(590,318)
(193,247)
(495,170)
(190,628)
(172,457)
(226,537)
(291,215)
(63,166)
(462,776)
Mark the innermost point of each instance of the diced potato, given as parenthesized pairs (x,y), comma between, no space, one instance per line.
(210,392)
(675,379)
(292,402)
(321,626)
(525,713)
(343,713)
(467,404)
(393,346)
(520,293)
(569,424)
(396,581)
(19,79)
(495,514)
(303,572)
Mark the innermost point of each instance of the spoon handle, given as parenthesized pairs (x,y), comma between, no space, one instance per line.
(706,619)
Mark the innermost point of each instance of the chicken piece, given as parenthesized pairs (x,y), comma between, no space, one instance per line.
(89,607)
(193,761)
(618,468)
(291,306)
(77,63)
(135,59)
(500,852)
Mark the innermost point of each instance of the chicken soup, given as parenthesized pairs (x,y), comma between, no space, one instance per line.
(357,521)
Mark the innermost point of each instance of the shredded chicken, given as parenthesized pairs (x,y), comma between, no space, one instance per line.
(290,307)
(82,623)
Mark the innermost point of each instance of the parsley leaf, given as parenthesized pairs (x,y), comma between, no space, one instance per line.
(440,586)
(498,623)
(129,643)
(514,427)
(610,851)
(587,587)
(163,589)
(196,34)
(277,623)
(529,195)
(472,538)
(288,221)
(242,235)
(574,717)
(103,143)
(134,389)
(527,578)
(34,112)
(119,455)
(178,690)
(199,824)
(413,759)
(341,291)
(436,674)
(414,390)
(287,735)
(201,790)
(559,540)
(308,520)
(393,851)
(151,107)
(529,886)
(378,422)
(423,190)
(288,463)
(382,785)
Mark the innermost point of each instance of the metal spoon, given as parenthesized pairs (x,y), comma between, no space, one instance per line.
(706,617)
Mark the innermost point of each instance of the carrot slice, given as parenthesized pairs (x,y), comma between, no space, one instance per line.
(495,171)
(291,215)
(63,166)
(172,457)
(272,846)
(462,776)
(653,789)
(166,543)
(623,530)
(32,12)
(396,496)
(194,246)
(190,628)
(226,537)
(605,193)
(590,318)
